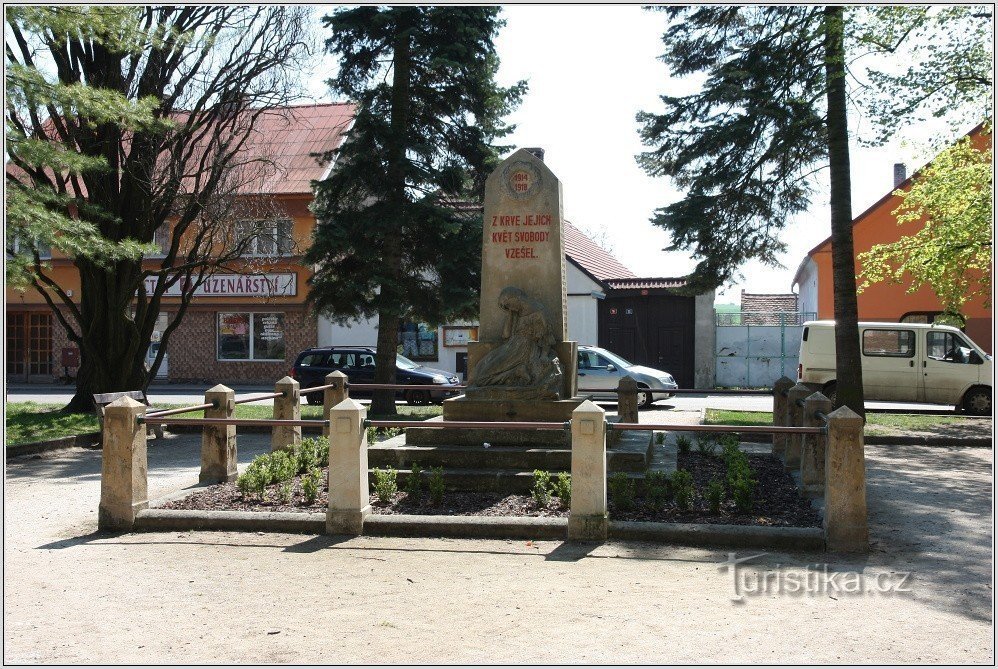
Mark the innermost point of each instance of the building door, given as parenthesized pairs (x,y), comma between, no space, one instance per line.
(655,330)
(672,353)
(29,346)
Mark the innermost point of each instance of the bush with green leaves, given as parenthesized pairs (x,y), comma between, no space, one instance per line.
(683,444)
(562,489)
(385,484)
(310,484)
(706,444)
(283,466)
(540,490)
(728,439)
(414,483)
(254,480)
(715,495)
(682,489)
(743,492)
(660,437)
(658,492)
(285,491)
(312,452)
(621,491)
(436,486)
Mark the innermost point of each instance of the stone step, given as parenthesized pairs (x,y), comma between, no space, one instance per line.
(401,456)
(434,436)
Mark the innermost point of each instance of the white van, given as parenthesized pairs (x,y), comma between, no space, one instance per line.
(905,362)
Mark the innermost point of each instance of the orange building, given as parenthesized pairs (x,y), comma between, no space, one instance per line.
(245,323)
(886,301)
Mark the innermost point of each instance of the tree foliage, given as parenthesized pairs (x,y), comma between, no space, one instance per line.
(951,198)
(128,123)
(395,238)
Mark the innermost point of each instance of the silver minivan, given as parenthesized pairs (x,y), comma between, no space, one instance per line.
(905,362)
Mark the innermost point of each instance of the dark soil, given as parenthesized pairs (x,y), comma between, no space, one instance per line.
(777,500)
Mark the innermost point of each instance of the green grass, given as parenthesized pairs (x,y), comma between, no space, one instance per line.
(879,422)
(31,421)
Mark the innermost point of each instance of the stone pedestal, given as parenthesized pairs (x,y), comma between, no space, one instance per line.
(218,442)
(812,453)
(795,416)
(462,408)
(845,483)
(333,396)
(287,407)
(780,390)
(124,468)
(627,400)
(587,518)
(349,497)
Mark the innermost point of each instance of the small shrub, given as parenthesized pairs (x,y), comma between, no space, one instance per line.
(658,492)
(621,491)
(436,486)
(372,435)
(414,483)
(312,452)
(310,483)
(283,466)
(562,489)
(706,444)
(730,452)
(284,491)
(541,491)
(682,489)
(728,439)
(253,481)
(715,495)
(385,484)
(321,452)
(683,444)
(660,437)
(743,492)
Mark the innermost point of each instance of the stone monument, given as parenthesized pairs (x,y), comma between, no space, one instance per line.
(523,368)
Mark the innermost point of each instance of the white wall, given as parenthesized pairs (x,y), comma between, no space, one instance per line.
(807,287)
(583,323)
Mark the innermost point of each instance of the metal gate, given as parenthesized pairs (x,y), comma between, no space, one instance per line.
(754,349)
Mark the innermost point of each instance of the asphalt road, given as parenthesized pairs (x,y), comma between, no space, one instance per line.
(186,394)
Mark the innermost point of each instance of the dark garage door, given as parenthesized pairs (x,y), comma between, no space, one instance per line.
(652,330)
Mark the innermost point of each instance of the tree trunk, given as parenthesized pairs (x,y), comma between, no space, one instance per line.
(385,365)
(848,363)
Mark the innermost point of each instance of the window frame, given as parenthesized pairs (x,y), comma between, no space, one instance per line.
(881,354)
(250,334)
(254,250)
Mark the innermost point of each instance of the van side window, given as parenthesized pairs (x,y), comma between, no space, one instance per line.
(804,338)
(889,343)
(947,347)
(313,360)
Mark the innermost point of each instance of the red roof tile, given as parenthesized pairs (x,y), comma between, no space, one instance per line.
(647,283)
(595,260)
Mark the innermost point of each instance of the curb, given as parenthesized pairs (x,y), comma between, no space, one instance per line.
(889,440)
(484,527)
(706,534)
(84,440)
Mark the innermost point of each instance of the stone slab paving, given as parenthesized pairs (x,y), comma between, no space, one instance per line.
(72,595)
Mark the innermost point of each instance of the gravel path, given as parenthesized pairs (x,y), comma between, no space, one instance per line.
(72,595)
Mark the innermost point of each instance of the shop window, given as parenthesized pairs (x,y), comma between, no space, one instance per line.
(19,246)
(251,336)
(418,341)
(162,238)
(266,237)
(889,343)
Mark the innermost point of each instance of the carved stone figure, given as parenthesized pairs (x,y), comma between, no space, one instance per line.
(524,365)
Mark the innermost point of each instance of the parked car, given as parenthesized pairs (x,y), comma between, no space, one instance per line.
(905,362)
(357,362)
(599,368)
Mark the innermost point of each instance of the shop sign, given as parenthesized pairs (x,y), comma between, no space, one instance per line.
(236,285)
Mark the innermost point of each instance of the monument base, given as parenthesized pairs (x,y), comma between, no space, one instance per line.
(535,411)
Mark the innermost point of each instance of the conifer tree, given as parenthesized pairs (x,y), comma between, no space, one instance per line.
(395,237)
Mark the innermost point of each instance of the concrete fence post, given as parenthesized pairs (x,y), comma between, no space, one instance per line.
(795,418)
(627,400)
(218,442)
(333,396)
(812,452)
(780,389)
(124,470)
(845,483)
(587,516)
(349,497)
(287,407)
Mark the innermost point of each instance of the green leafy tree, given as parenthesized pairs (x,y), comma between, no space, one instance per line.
(951,254)
(745,147)
(393,239)
(126,125)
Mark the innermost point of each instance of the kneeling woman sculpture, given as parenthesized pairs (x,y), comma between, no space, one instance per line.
(524,366)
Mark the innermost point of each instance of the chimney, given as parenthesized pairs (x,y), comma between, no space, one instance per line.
(900,174)
(537,151)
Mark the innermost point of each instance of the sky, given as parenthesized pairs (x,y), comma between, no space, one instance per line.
(590,69)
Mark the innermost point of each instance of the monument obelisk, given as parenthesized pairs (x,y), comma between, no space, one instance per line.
(523,368)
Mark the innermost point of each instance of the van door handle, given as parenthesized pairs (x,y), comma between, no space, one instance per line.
(911,363)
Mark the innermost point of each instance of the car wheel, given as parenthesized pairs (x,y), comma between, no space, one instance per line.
(417,397)
(977,402)
(645,400)
(314,398)
(830,391)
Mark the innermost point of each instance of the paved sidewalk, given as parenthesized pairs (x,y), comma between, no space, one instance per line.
(72,595)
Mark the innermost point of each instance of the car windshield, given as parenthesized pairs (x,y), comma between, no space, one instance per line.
(405,363)
(614,358)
